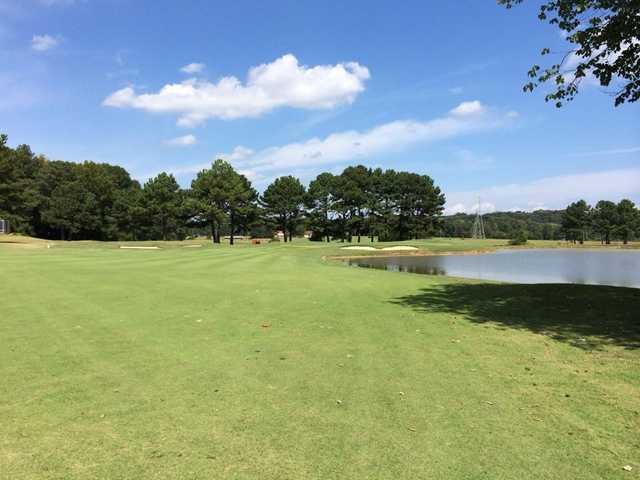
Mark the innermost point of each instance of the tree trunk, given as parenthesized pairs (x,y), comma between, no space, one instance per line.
(231,227)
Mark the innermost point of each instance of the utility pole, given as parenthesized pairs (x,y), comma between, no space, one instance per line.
(478,225)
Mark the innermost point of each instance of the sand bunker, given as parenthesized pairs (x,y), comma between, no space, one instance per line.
(140,248)
(191,246)
(398,248)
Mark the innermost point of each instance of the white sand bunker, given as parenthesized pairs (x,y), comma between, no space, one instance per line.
(400,248)
(191,246)
(139,248)
(358,248)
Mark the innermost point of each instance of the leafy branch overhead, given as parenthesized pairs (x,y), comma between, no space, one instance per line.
(605,40)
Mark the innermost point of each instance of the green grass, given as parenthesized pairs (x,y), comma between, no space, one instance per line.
(269,362)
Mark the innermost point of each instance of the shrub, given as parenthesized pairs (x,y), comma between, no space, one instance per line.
(519,239)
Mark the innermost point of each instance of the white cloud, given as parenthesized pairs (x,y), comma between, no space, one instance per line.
(551,192)
(468,108)
(238,154)
(42,43)
(485,207)
(183,141)
(282,83)
(193,68)
(613,151)
(307,158)
(354,145)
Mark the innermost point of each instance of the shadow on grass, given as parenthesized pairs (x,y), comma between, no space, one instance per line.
(585,316)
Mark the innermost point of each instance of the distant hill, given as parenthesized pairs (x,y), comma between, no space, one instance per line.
(539,225)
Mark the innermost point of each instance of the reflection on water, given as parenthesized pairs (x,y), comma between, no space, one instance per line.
(594,267)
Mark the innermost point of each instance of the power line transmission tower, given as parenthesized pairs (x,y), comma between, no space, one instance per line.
(478,224)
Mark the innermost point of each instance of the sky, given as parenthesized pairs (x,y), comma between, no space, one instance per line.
(289,87)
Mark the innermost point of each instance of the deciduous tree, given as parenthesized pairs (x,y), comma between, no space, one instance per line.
(604,37)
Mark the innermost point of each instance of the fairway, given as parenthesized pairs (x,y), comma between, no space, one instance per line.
(274,362)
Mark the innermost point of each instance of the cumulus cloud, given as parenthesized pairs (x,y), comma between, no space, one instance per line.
(468,108)
(306,159)
(281,83)
(183,141)
(42,43)
(550,192)
(355,145)
(193,68)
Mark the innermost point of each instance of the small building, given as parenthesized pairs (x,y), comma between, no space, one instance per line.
(279,236)
(4,226)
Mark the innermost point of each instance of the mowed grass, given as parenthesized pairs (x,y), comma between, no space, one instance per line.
(271,362)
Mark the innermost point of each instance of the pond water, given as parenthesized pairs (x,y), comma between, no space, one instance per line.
(593,267)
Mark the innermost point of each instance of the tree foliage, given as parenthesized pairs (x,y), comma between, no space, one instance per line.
(319,202)
(539,224)
(283,202)
(604,219)
(221,195)
(162,199)
(387,204)
(607,219)
(97,201)
(627,220)
(605,45)
(575,221)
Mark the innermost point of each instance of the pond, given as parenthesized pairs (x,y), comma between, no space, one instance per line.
(592,267)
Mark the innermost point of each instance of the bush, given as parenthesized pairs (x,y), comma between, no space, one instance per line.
(519,239)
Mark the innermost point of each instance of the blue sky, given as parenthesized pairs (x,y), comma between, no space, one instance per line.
(294,87)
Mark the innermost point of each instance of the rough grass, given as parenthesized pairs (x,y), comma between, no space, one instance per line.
(268,362)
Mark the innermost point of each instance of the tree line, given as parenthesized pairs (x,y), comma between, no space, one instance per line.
(538,225)
(98,201)
(605,221)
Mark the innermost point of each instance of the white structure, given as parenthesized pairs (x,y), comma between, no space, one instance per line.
(4,226)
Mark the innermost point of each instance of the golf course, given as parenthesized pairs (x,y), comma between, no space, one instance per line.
(276,361)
